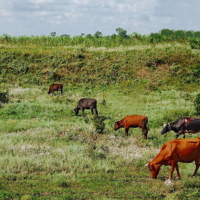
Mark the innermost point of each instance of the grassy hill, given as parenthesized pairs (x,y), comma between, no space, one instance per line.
(152,66)
(49,153)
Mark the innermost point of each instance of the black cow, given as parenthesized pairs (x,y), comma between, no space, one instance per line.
(86,103)
(182,126)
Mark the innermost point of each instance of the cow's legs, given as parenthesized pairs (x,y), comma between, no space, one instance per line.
(126,131)
(179,133)
(92,111)
(82,109)
(61,91)
(96,111)
(174,165)
(145,131)
(197,163)
(177,170)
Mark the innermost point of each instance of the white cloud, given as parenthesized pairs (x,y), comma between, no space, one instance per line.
(41,1)
(73,17)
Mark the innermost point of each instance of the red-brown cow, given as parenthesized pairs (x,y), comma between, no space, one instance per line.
(55,87)
(133,121)
(174,151)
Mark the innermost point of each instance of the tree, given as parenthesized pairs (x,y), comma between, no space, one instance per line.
(136,35)
(189,34)
(98,34)
(53,34)
(121,32)
(166,32)
(155,38)
(88,36)
(179,34)
(197,34)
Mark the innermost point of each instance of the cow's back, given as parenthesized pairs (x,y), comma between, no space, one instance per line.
(134,120)
(187,150)
(193,124)
(87,102)
(183,150)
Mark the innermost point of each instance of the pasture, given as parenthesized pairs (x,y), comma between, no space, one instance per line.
(49,153)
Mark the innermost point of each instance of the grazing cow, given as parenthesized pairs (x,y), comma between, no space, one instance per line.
(55,87)
(174,151)
(86,103)
(182,126)
(133,121)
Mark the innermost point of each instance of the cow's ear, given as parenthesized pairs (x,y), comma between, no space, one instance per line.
(164,124)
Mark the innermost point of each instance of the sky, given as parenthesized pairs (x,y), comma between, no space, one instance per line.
(74,17)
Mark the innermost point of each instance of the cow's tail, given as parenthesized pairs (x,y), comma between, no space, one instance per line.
(147,124)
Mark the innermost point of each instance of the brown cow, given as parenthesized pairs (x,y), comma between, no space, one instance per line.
(55,87)
(174,151)
(133,121)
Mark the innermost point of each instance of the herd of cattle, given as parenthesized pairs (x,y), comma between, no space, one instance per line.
(172,152)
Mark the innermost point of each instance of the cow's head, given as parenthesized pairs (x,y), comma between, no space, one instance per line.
(154,168)
(76,110)
(166,128)
(117,126)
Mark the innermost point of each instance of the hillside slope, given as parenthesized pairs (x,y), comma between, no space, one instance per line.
(154,67)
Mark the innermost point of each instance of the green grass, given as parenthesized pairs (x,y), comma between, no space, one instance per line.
(49,153)
(46,152)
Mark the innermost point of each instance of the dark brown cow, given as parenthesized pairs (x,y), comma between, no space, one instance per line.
(182,126)
(133,121)
(55,87)
(174,151)
(86,103)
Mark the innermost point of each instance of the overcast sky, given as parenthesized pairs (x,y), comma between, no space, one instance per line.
(73,17)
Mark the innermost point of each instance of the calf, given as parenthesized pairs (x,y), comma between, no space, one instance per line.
(55,87)
(174,151)
(86,103)
(133,121)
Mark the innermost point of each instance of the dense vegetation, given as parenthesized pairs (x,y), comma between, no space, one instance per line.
(49,153)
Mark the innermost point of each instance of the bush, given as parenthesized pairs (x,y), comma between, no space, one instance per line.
(4,97)
(99,124)
(197,104)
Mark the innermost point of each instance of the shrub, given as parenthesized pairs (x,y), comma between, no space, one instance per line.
(99,124)
(4,97)
(197,104)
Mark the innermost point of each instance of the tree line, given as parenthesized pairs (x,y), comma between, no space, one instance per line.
(121,38)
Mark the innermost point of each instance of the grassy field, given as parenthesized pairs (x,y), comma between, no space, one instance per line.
(49,153)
